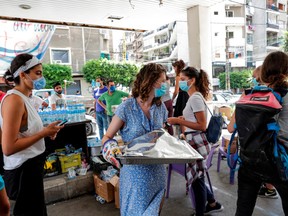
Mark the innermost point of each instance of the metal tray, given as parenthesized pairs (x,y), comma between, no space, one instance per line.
(148,160)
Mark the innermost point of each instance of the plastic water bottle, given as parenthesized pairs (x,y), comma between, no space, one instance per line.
(100,199)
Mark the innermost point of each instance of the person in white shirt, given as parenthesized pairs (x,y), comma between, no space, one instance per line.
(57,99)
(23,137)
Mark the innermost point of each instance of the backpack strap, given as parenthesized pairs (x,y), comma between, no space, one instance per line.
(236,159)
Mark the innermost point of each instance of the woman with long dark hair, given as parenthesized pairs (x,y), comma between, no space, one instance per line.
(23,137)
(193,122)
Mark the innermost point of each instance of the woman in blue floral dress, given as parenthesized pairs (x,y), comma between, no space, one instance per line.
(141,186)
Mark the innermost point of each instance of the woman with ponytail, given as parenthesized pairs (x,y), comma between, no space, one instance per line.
(23,137)
(193,122)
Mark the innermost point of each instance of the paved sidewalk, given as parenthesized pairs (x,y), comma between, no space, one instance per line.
(178,203)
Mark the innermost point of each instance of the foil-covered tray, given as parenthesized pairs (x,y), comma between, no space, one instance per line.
(158,147)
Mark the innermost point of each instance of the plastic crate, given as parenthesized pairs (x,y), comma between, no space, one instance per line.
(68,161)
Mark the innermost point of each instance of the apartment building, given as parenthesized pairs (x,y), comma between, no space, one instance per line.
(244,32)
(270,21)
(166,44)
(73,46)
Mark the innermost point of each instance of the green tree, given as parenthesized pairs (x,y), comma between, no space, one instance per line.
(56,73)
(122,73)
(238,80)
(285,42)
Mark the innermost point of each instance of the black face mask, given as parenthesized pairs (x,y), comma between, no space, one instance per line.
(59,92)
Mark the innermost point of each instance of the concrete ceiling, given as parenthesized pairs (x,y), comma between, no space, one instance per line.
(136,14)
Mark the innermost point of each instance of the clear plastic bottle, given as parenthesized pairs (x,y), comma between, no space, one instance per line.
(100,199)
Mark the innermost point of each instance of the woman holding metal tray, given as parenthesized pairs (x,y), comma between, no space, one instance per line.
(193,122)
(142,186)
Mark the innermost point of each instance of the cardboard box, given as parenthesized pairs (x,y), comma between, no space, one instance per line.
(227,110)
(104,189)
(115,182)
(226,140)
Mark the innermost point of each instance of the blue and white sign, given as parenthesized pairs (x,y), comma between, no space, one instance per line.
(22,37)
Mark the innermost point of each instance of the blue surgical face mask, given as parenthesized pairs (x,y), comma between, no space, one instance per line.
(255,82)
(184,86)
(112,88)
(160,91)
(38,83)
(98,84)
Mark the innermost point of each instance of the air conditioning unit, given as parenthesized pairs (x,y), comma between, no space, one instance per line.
(57,62)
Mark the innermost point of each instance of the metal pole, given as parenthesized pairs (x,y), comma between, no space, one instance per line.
(227,61)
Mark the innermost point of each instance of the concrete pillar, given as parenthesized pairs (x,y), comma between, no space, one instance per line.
(199,38)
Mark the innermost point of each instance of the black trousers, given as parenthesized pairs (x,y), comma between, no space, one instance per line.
(248,187)
(25,186)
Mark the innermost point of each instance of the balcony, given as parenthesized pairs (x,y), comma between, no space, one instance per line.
(162,27)
(272,7)
(146,34)
(271,25)
(273,43)
(251,28)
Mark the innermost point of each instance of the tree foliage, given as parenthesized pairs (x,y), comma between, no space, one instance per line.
(121,73)
(56,73)
(285,42)
(238,80)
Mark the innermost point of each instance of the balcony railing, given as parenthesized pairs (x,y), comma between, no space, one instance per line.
(162,27)
(274,26)
(272,7)
(273,43)
(145,34)
(148,47)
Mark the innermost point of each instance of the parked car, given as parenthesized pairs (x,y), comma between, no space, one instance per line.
(91,126)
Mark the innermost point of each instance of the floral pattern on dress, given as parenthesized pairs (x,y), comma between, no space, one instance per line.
(141,186)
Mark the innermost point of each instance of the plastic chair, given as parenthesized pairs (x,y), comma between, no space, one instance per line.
(181,169)
(222,153)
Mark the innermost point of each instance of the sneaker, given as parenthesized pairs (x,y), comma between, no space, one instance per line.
(267,193)
(217,208)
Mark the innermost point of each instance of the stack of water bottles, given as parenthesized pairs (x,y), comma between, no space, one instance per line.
(72,113)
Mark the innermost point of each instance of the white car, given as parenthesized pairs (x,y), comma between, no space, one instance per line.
(91,126)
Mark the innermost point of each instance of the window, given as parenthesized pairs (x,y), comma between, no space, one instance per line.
(249,38)
(60,56)
(217,55)
(249,56)
(229,14)
(230,35)
(215,12)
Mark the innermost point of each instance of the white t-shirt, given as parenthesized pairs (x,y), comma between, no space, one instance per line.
(194,104)
(59,101)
